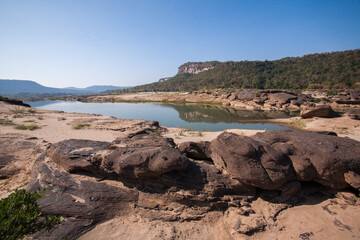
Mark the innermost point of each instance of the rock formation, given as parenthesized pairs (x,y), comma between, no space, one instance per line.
(91,181)
(196,67)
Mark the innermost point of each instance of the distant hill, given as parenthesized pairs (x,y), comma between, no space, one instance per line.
(97,88)
(313,71)
(26,88)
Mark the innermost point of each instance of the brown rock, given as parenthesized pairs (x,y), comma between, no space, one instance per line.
(196,150)
(137,161)
(316,157)
(281,98)
(353,179)
(250,161)
(145,161)
(260,100)
(145,140)
(318,111)
(232,97)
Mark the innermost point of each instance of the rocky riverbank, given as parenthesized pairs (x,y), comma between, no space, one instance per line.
(267,100)
(128,179)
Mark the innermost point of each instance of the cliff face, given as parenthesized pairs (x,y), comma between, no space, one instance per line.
(196,67)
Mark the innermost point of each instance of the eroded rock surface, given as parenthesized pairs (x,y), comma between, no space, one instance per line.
(251,162)
(196,150)
(147,176)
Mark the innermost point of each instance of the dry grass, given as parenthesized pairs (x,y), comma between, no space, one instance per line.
(297,123)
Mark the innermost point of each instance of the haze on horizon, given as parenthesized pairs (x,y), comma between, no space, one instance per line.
(127,43)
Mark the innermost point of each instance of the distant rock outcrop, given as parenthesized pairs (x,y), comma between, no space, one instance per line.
(196,67)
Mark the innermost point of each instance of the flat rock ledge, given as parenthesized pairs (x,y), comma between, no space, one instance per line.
(91,182)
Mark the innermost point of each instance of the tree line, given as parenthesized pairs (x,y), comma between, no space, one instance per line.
(336,70)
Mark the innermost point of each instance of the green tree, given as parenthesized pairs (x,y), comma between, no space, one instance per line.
(20,215)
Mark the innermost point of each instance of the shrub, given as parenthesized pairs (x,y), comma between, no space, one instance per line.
(331,92)
(6,122)
(82,125)
(153,132)
(297,123)
(17,116)
(26,127)
(17,110)
(20,215)
(31,110)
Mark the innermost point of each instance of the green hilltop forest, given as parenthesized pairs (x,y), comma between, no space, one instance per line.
(336,70)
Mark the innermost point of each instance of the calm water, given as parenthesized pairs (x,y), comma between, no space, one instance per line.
(197,117)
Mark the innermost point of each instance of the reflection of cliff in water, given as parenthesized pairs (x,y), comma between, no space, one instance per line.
(214,114)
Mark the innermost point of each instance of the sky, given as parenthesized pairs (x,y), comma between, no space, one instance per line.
(79,43)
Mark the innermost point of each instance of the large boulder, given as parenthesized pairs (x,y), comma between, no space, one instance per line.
(143,162)
(316,157)
(138,160)
(274,159)
(318,111)
(250,161)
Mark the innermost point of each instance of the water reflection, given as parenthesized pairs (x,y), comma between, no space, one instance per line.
(197,117)
(215,114)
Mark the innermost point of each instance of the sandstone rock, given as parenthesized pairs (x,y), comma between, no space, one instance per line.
(269,159)
(144,162)
(260,100)
(296,102)
(83,203)
(348,101)
(293,107)
(137,161)
(251,162)
(354,94)
(232,97)
(353,179)
(196,150)
(281,98)
(245,95)
(316,157)
(318,111)
(353,113)
(145,140)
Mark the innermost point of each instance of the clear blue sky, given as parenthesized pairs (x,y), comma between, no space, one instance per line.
(61,43)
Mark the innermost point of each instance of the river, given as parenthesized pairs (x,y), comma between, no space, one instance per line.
(195,117)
